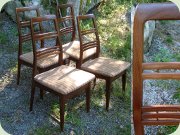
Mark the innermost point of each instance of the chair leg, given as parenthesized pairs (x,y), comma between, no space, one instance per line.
(67,61)
(124,82)
(41,93)
(78,65)
(94,83)
(62,109)
(108,90)
(32,96)
(88,97)
(18,72)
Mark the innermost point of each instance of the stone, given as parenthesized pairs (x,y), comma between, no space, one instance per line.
(148,34)
(10,9)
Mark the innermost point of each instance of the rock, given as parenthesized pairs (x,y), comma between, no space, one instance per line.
(148,34)
(10,9)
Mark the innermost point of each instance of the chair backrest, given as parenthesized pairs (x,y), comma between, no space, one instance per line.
(40,52)
(66,20)
(151,114)
(24,24)
(88,34)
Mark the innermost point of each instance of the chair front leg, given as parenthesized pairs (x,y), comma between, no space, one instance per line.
(32,96)
(88,95)
(108,91)
(62,109)
(18,71)
(124,82)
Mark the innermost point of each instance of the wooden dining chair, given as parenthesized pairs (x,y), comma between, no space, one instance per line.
(64,81)
(24,25)
(103,68)
(27,58)
(67,26)
(152,114)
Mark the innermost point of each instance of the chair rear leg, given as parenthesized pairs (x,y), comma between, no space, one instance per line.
(108,90)
(124,82)
(88,97)
(62,109)
(18,72)
(32,96)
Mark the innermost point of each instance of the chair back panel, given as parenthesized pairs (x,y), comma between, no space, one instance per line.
(24,23)
(151,114)
(66,20)
(51,35)
(88,34)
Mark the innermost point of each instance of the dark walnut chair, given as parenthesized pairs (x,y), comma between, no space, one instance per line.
(25,35)
(66,21)
(160,114)
(103,68)
(64,81)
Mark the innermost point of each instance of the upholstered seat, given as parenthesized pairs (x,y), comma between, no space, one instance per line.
(73,50)
(44,62)
(64,79)
(105,66)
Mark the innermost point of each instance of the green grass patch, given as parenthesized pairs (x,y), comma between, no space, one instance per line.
(166,130)
(3,38)
(163,56)
(169,40)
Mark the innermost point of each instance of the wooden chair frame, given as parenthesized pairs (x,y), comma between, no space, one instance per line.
(85,46)
(24,38)
(58,49)
(152,114)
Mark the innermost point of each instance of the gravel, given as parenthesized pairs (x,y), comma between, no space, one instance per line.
(159,91)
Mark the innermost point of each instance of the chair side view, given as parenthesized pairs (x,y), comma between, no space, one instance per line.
(103,68)
(152,114)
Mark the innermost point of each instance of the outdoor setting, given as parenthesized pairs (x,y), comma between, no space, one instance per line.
(89,67)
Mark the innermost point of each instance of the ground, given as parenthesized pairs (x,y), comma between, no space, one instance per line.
(165,48)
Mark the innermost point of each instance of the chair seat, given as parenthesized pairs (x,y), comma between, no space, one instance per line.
(44,62)
(64,79)
(105,66)
(73,50)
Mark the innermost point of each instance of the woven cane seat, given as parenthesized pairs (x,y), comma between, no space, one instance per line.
(73,50)
(64,79)
(105,66)
(44,62)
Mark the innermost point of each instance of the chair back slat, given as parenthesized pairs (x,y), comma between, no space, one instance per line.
(45,35)
(89,45)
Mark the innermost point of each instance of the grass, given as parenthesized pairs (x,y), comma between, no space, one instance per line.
(114,32)
(163,56)
(166,130)
(169,39)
